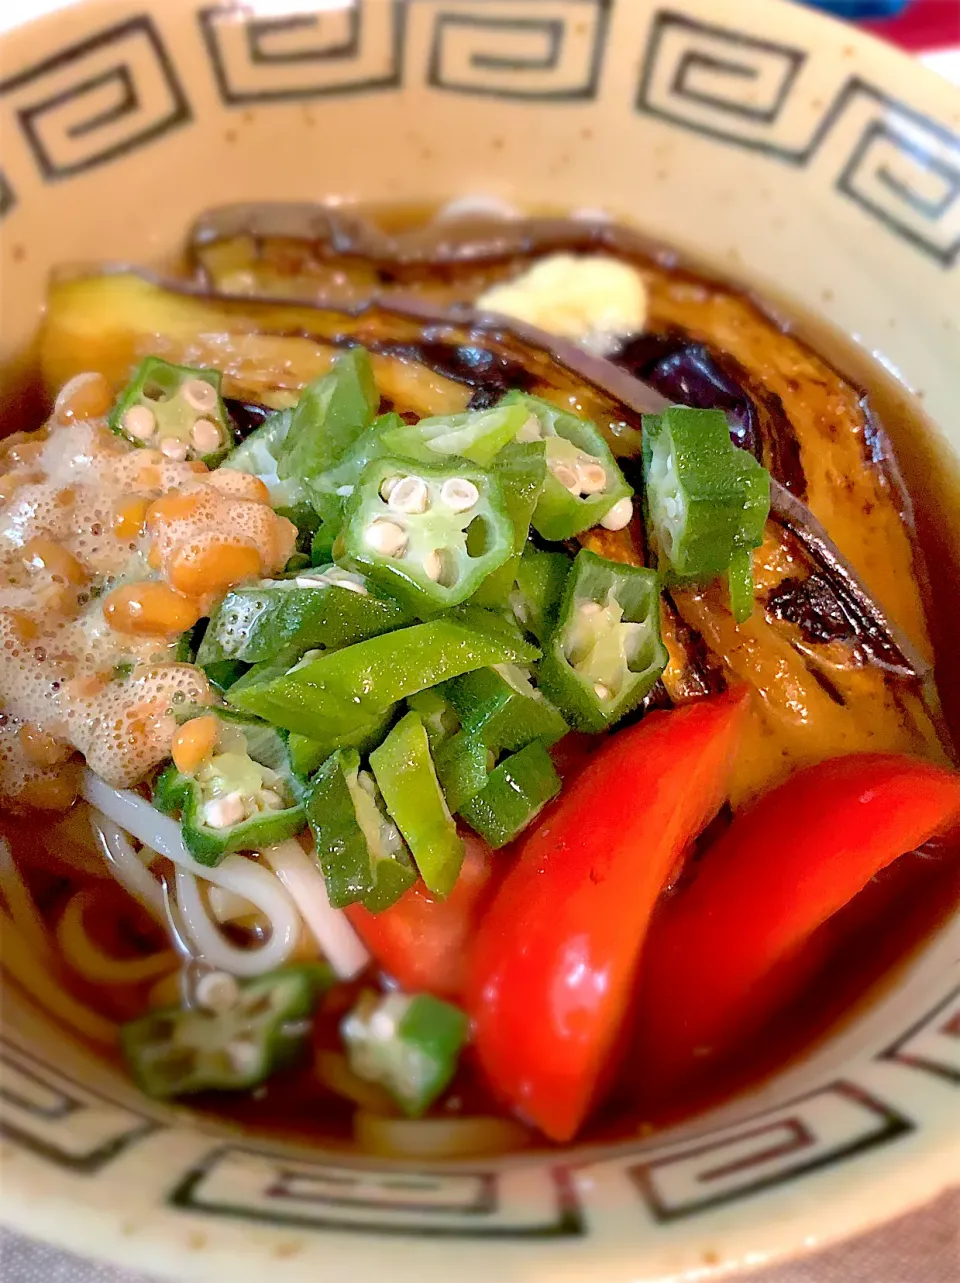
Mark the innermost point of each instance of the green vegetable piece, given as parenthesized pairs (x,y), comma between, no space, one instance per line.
(178,1051)
(329,417)
(503,707)
(583,479)
(540,581)
(515,793)
(522,470)
(409,1044)
(437,715)
(605,653)
(179,403)
(242,798)
(330,490)
(224,673)
(740,584)
(463,764)
(307,522)
(405,774)
(307,753)
(318,609)
(705,498)
(477,435)
(257,456)
(362,856)
(428,536)
(337,689)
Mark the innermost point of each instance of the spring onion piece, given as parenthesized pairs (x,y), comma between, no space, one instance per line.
(477,435)
(338,689)
(605,653)
(539,583)
(361,852)
(318,609)
(503,708)
(405,774)
(515,793)
(521,468)
(331,414)
(258,457)
(410,1044)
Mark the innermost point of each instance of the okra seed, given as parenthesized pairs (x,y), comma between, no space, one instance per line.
(588,608)
(199,395)
(140,422)
(217,991)
(382,1026)
(271,801)
(567,477)
(433,566)
(619,515)
(205,434)
(222,812)
(459,494)
(386,538)
(173,449)
(244,1055)
(410,495)
(387,487)
(530,430)
(601,691)
(593,478)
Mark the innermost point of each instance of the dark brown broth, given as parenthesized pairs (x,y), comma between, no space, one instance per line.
(857,955)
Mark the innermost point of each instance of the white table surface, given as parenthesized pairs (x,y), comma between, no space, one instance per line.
(921,1248)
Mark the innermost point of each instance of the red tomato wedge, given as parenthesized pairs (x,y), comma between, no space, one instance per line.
(553,963)
(422,940)
(720,958)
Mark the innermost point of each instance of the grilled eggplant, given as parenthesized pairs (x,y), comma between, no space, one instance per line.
(838,655)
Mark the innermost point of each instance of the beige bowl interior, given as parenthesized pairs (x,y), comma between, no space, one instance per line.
(771,144)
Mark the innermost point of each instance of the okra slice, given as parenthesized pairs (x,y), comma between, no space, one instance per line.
(428,536)
(605,653)
(176,409)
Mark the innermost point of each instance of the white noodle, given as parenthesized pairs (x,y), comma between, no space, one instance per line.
(294,871)
(254,882)
(88,960)
(127,866)
(20,903)
(432,1138)
(227,906)
(301,875)
(31,975)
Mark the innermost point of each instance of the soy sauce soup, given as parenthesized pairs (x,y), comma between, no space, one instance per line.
(194,552)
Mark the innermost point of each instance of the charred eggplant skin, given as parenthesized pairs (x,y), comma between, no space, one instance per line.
(826,676)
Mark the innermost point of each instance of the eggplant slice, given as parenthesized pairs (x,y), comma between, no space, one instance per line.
(830,671)
(806,423)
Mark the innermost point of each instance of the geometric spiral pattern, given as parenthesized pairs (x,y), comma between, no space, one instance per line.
(353,47)
(97,100)
(541,50)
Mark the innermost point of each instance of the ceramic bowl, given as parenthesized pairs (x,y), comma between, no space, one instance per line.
(775,144)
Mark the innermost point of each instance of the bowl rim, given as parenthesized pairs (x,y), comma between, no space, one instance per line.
(870,1196)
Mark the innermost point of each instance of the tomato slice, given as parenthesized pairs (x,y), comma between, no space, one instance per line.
(728,950)
(421,941)
(553,964)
